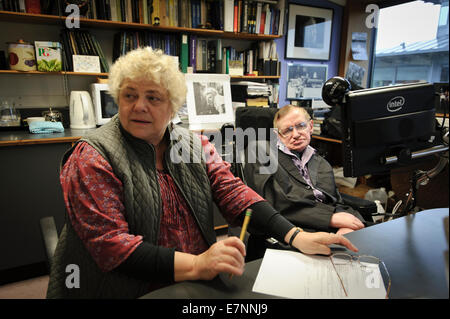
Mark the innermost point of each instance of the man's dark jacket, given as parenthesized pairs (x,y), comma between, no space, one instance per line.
(290,194)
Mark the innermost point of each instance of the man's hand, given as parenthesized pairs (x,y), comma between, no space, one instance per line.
(345,220)
(317,243)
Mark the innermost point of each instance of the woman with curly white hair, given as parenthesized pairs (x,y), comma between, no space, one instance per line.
(139,218)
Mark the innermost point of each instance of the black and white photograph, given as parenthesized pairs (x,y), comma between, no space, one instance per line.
(309,33)
(355,73)
(209,98)
(305,81)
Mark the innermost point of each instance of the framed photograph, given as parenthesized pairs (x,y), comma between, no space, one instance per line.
(208,98)
(305,81)
(309,33)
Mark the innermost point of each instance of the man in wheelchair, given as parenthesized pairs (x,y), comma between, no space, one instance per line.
(302,188)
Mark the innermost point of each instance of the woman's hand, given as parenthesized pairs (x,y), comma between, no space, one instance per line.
(224,256)
(345,220)
(317,243)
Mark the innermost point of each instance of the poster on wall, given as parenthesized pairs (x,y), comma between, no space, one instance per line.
(355,73)
(305,81)
(309,33)
(359,44)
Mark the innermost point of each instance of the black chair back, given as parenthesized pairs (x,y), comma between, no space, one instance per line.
(255,117)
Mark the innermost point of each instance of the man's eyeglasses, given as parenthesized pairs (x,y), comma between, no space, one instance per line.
(365,262)
(287,132)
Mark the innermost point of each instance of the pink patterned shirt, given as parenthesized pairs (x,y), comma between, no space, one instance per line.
(94,202)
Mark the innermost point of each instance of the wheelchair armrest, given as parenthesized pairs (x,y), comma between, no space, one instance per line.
(365,207)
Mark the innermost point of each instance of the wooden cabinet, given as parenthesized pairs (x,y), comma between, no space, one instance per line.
(30,190)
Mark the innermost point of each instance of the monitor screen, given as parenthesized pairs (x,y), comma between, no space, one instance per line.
(109,107)
(387,127)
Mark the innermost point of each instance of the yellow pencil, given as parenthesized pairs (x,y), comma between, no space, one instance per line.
(248,215)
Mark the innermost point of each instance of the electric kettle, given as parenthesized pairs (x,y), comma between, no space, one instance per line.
(81,110)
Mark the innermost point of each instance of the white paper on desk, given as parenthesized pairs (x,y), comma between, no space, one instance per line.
(291,274)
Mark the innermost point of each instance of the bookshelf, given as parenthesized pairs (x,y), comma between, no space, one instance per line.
(15,72)
(86,23)
(31,18)
(42,27)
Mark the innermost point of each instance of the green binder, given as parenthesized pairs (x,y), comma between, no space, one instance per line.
(184,58)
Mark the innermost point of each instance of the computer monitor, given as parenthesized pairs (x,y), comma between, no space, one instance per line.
(387,127)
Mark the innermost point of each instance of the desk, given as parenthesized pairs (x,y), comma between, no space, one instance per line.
(412,247)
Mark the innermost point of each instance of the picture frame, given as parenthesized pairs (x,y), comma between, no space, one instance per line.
(86,63)
(309,33)
(208,99)
(305,81)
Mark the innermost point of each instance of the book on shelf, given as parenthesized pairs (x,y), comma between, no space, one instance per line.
(163,14)
(184,55)
(31,6)
(317,129)
(28,6)
(193,52)
(243,90)
(244,20)
(114,11)
(281,6)
(302,103)
(203,13)
(184,14)
(212,56)
(228,11)
(319,114)
(236,67)
(258,101)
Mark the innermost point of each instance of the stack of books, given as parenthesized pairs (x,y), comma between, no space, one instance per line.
(320,109)
(252,93)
